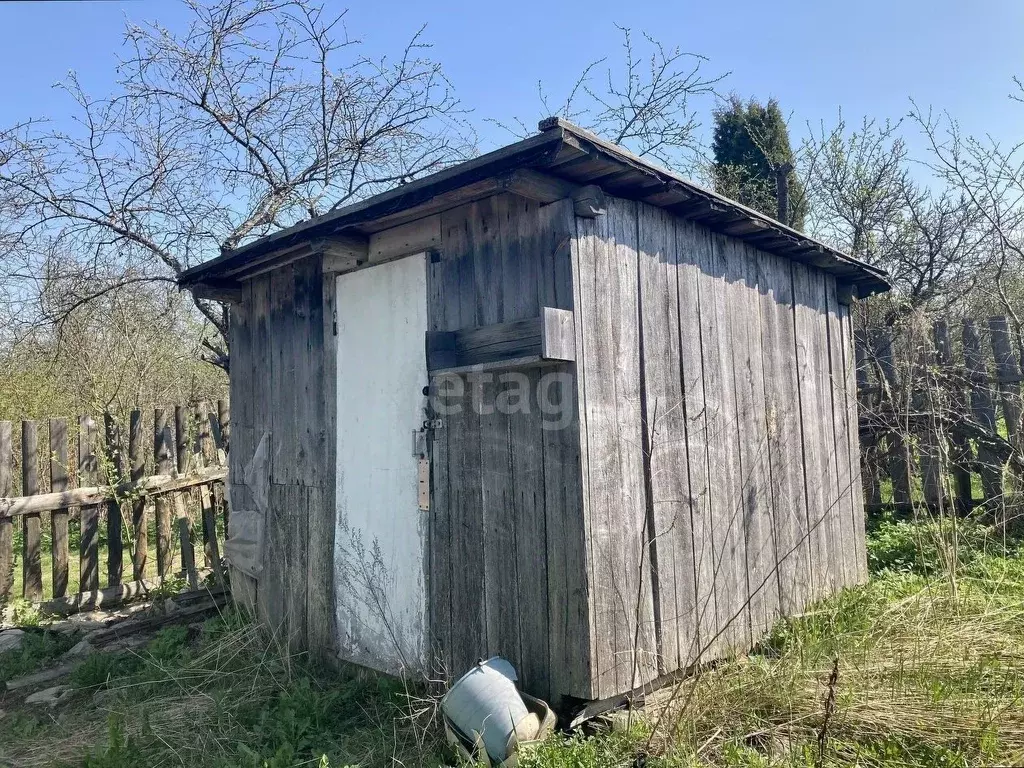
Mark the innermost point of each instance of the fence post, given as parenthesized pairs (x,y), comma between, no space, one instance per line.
(115,543)
(982,406)
(163,460)
(137,469)
(188,555)
(928,401)
(899,447)
(59,517)
(961,454)
(204,453)
(868,435)
(220,497)
(1008,374)
(224,420)
(31,525)
(89,567)
(6,523)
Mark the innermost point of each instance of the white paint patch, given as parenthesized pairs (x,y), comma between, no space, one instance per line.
(381,536)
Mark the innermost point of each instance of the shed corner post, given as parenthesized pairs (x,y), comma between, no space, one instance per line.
(323,630)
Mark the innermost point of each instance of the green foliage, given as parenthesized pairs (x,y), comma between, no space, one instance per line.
(100,670)
(24,613)
(120,750)
(232,697)
(750,142)
(169,643)
(930,546)
(579,751)
(930,675)
(37,648)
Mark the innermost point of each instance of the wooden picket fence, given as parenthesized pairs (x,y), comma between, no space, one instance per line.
(940,414)
(166,481)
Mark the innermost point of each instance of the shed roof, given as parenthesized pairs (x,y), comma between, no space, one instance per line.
(563,154)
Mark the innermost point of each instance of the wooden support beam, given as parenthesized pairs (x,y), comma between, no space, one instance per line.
(589,202)
(745,227)
(405,239)
(549,336)
(845,293)
(228,292)
(698,209)
(341,253)
(538,186)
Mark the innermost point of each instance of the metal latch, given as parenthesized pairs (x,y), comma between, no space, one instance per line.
(423,484)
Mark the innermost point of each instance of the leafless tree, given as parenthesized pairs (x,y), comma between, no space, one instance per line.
(990,177)
(261,113)
(864,197)
(648,101)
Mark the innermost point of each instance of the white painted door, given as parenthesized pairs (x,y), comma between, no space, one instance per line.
(381,536)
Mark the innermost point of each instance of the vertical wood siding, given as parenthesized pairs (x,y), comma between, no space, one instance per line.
(282,385)
(507,568)
(719,456)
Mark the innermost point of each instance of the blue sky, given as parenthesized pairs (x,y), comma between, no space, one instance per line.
(814,56)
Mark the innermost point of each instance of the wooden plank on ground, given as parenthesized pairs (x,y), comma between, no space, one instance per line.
(31,525)
(59,518)
(6,524)
(88,473)
(693,251)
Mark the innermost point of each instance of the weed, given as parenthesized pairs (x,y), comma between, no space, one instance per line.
(100,670)
(168,644)
(37,649)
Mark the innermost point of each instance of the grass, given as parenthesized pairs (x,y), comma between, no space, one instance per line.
(219,698)
(930,659)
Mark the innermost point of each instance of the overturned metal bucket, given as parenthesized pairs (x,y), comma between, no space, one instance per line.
(485,713)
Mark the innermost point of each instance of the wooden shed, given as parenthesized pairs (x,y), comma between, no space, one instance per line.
(553,403)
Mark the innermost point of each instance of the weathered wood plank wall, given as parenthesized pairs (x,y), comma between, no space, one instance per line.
(507,559)
(282,387)
(720,465)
